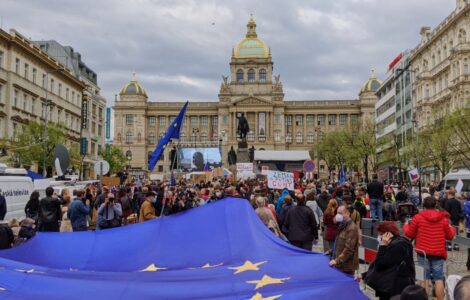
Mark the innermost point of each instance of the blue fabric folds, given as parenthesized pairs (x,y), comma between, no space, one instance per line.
(218,251)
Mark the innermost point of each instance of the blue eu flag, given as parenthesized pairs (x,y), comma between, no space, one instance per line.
(173,132)
(220,251)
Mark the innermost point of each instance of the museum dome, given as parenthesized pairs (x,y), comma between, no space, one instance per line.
(251,46)
(133,88)
(371,85)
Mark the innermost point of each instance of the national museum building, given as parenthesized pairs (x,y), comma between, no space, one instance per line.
(252,89)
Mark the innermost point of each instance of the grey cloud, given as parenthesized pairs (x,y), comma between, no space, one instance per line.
(179,49)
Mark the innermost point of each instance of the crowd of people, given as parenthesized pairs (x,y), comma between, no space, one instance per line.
(314,209)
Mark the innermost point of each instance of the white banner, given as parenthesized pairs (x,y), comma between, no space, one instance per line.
(244,167)
(280,180)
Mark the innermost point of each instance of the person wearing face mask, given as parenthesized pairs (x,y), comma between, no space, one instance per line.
(147,209)
(393,268)
(345,252)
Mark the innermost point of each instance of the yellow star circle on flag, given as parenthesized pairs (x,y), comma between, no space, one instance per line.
(247,266)
(152,268)
(2,289)
(267,280)
(258,296)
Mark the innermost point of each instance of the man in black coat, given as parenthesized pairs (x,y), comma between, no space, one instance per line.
(6,236)
(375,189)
(301,226)
(3,207)
(49,212)
(454,208)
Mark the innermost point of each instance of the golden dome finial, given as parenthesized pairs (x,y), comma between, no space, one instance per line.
(372,74)
(251,28)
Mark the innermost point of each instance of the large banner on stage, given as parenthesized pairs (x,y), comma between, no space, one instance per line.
(280,180)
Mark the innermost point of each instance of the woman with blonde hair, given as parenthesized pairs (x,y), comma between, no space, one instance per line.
(331,227)
(66,224)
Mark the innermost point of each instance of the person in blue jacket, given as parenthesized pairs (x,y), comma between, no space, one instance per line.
(280,200)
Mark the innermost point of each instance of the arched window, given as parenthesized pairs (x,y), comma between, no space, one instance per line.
(262,75)
(129,137)
(310,137)
(139,137)
(251,75)
(204,137)
(151,138)
(240,75)
(299,138)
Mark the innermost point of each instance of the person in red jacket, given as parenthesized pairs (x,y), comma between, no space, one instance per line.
(431,229)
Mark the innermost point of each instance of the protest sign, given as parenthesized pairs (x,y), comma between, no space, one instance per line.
(280,180)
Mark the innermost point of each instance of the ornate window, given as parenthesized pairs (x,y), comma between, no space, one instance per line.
(193,137)
(289,138)
(129,119)
(310,138)
(332,120)
(204,120)
(299,120)
(151,138)
(321,119)
(240,76)
(299,138)
(310,120)
(193,121)
(204,137)
(162,121)
(183,137)
(251,75)
(139,137)
(342,119)
(152,121)
(129,137)
(262,75)
(277,136)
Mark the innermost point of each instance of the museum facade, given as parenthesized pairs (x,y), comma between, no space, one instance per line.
(252,89)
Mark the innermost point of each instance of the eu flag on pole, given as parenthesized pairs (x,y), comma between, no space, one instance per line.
(173,132)
(342,176)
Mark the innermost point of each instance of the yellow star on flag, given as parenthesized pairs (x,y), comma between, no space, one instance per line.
(207,266)
(267,280)
(2,289)
(258,296)
(176,124)
(152,268)
(247,266)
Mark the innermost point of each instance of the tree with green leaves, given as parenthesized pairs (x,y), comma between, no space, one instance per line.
(115,157)
(28,147)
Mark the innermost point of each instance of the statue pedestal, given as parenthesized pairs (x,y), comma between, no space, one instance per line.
(242,152)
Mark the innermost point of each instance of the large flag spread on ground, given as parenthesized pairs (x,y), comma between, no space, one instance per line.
(173,132)
(219,251)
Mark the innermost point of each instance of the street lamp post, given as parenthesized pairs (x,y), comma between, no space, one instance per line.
(46,117)
(129,158)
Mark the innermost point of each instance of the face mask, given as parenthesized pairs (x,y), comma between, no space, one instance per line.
(154,200)
(339,218)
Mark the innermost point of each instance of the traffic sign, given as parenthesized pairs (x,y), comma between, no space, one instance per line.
(309,165)
(101,167)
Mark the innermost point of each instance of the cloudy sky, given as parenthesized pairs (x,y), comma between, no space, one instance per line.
(179,49)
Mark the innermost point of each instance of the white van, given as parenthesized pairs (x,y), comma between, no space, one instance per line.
(16,187)
(453,177)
